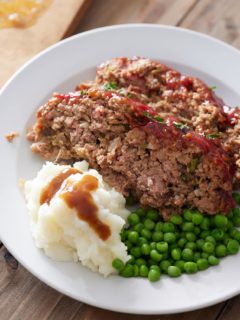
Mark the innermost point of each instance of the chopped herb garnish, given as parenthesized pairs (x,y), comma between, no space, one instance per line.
(110,86)
(159,119)
(213,136)
(213,88)
(122,91)
(193,165)
(147,114)
(82,92)
(180,125)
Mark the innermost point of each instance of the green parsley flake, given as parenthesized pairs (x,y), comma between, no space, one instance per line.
(213,88)
(180,125)
(110,86)
(213,136)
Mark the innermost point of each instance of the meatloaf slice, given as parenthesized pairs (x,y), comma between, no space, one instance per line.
(159,161)
(169,92)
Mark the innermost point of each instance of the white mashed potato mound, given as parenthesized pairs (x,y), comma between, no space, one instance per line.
(57,229)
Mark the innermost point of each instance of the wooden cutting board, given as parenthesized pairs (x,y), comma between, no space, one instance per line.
(57,22)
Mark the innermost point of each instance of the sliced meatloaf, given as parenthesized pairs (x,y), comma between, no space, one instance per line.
(159,161)
(171,93)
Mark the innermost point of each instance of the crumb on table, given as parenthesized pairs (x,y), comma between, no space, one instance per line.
(10,136)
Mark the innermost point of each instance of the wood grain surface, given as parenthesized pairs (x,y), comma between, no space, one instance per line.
(19,45)
(22,296)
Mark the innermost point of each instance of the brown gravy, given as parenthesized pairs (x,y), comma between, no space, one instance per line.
(77,196)
(55,184)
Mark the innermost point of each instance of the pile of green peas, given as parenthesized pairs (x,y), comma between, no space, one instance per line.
(185,243)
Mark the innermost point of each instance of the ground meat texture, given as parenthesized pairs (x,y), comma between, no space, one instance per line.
(163,166)
(169,92)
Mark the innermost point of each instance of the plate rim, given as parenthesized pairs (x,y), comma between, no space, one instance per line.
(58,44)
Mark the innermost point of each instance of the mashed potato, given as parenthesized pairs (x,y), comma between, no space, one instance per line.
(58,230)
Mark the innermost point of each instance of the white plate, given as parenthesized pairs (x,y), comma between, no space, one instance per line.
(61,67)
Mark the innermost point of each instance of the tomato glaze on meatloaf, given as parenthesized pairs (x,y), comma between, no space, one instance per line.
(169,92)
(163,164)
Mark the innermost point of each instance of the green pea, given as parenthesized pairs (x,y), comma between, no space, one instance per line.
(191,245)
(157,236)
(213,261)
(153,214)
(181,242)
(140,212)
(174,271)
(168,227)
(162,246)
(180,264)
(204,234)
(176,254)
(133,219)
(187,214)
(236,220)
(190,267)
(200,243)
(153,275)
(210,239)
(187,226)
(129,244)
(233,246)
(164,264)
(220,221)
(123,235)
(145,248)
(153,245)
(237,235)
(143,271)
(138,227)
(196,256)
(205,255)
(136,252)
(159,226)
(149,224)
(236,211)
(217,234)
(197,218)
(229,225)
(118,264)
(205,223)
(127,271)
(169,237)
(208,247)
(155,267)
(155,256)
(140,261)
(133,237)
(176,219)
(131,260)
(146,234)
(236,196)
(135,271)
(202,264)
(190,236)
(197,230)
(141,241)
(221,250)
(187,254)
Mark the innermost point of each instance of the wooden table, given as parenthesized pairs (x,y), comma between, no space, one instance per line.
(22,296)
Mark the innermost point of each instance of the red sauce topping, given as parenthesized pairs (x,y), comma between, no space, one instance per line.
(55,184)
(78,197)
